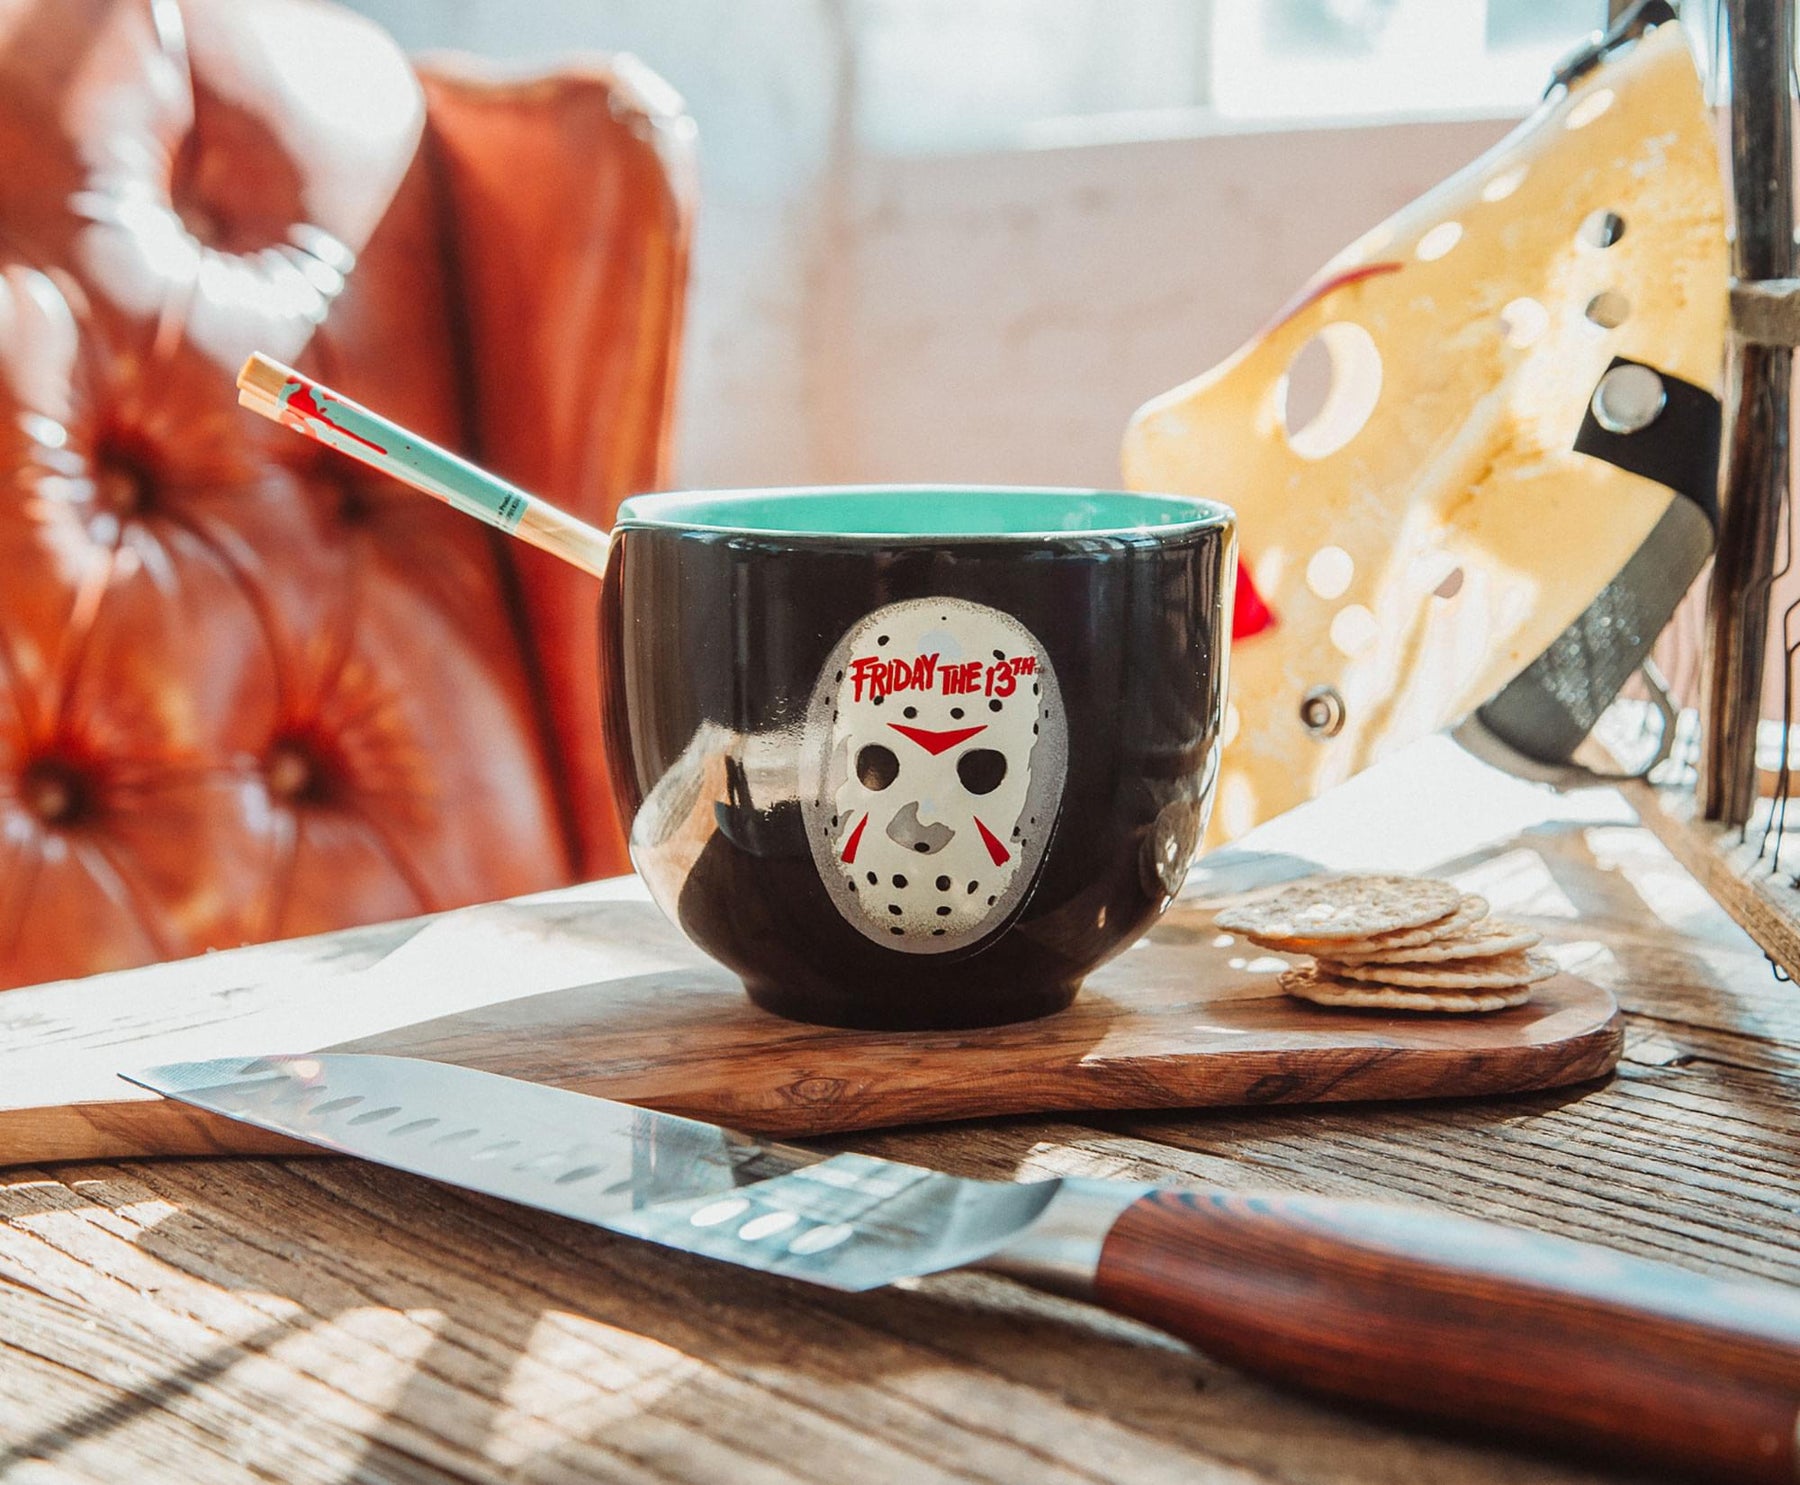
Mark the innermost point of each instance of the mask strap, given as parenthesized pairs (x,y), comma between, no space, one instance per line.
(1479,738)
(1672,438)
(1664,429)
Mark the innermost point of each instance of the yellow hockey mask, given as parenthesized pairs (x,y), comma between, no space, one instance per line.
(1524,368)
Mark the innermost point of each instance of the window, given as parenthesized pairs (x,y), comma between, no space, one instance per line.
(1278,59)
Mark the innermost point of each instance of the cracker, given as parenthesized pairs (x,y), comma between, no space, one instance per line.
(1469,911)
(1479,940)
(1341,908)
(1497,971)
(1323,989)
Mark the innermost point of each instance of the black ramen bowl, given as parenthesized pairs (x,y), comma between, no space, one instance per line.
(915,756)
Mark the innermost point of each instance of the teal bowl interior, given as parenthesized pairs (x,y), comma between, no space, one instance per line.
(922,512)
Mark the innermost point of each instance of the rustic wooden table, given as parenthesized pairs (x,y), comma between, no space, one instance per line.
(322,1320)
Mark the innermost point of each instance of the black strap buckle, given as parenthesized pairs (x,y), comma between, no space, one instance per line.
(1646,15)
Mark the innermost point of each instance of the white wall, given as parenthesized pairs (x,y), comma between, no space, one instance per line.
(1004,313)
(864,310)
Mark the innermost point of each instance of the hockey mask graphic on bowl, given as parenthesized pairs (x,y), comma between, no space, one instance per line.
(937,751)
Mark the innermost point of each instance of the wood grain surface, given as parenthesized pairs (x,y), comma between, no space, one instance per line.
(1750,871)
(323,1321)
(1188,1018)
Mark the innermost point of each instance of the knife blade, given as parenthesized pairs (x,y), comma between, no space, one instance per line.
(848,1221)
(1445,1317)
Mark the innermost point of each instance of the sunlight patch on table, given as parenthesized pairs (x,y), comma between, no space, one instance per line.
(1659,880)
(576,1377)
(368,1354)
(1519,882)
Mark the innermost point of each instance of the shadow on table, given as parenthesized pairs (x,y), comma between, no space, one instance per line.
(432,1335)
(435,1336)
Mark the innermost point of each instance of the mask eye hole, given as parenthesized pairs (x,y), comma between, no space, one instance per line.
(877,767)
(981,770)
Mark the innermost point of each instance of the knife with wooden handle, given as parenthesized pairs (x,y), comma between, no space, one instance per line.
(1494,1329)
(1473,1323)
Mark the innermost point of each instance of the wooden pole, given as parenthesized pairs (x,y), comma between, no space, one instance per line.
(1757,391)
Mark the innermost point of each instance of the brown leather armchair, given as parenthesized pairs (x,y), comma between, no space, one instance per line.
(248,689)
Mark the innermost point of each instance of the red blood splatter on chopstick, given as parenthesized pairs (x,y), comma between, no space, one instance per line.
(1329,286)
(302,401)
(1249,614)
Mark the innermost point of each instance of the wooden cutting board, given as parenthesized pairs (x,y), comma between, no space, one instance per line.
(1188,1018)
(592,989)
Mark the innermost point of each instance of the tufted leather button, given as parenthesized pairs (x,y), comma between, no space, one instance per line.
(119,490)
(293,773)
(125,477)
(201,224)
(54,792)
(354,507)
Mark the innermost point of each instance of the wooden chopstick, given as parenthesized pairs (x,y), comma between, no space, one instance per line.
(286,396)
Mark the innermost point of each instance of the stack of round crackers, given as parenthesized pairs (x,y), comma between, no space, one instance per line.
(1394,943)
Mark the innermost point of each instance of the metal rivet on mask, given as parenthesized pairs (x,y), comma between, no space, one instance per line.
(1322,711)
(1629,399)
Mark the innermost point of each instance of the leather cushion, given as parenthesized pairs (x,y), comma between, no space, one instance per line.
(245,690)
